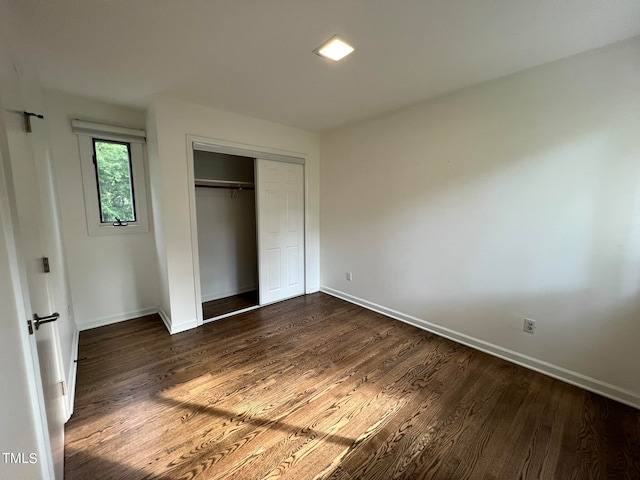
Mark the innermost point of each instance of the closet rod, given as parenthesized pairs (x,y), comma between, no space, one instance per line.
(228,188)
(205,182)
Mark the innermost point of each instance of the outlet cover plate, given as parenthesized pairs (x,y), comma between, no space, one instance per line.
(529,326)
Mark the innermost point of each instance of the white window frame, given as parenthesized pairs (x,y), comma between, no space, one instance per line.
(87,132)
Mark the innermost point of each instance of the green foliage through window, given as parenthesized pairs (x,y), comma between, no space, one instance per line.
(115,185)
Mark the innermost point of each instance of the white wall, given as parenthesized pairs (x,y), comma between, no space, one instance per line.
(226,242)
(157,225)
(516,198)
(220,166)
(174,120)
(112,277)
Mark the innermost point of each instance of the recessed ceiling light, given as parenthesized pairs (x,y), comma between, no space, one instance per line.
(335,49)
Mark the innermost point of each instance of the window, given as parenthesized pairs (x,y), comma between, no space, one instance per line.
(113,178)
(112,161)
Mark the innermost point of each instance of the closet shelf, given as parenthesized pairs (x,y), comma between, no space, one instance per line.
(203,182)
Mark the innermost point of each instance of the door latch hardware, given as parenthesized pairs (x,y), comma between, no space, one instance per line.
(30,327)
(37,320)
(27,120)
(45,265)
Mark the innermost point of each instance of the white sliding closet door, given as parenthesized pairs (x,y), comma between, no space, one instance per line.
(280,193)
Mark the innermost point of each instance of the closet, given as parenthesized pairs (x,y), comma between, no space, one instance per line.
(227,241)
(249,225)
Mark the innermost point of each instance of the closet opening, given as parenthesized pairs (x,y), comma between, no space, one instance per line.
(247,210)
(227,233)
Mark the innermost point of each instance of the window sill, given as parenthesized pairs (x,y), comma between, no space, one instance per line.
(109,229)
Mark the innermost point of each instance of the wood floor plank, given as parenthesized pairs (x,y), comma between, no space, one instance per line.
(316,388)
(233,303)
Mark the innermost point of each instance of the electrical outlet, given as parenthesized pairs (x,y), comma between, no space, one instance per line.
(529,325)
(349,276)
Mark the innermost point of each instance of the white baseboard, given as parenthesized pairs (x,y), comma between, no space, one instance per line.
(166,319)
(72,374)
(181,327)
(588,383)
(122,317)
(228,293)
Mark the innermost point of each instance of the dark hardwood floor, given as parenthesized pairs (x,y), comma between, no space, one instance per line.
(215,308)
(316,388)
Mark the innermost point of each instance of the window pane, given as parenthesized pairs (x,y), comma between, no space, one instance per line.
(115,187)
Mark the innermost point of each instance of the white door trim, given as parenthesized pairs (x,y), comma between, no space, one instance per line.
(243,152)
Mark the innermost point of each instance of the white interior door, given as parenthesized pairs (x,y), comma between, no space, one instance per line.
(280,198)
(33,242)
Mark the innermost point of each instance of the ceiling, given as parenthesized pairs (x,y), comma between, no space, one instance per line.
(254,57)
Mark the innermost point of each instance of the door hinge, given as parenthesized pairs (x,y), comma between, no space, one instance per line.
(30,327)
